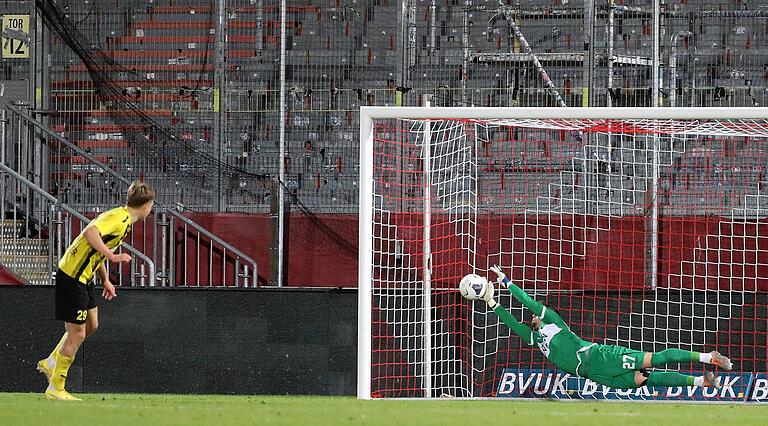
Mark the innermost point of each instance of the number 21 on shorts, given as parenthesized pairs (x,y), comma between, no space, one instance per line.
(628,362)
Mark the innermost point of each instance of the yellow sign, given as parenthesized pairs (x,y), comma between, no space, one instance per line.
(15,36)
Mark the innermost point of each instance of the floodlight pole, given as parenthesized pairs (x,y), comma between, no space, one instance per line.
(465,55)
(589,53)
(656,39)
(653,194)
(611,35)
(3,134)
(432,29)
(220,81)
(281,162)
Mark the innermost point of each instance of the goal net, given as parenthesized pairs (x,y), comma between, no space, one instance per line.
(645,228)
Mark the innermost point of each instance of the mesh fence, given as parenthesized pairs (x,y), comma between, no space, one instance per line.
(565,207)
(190,90)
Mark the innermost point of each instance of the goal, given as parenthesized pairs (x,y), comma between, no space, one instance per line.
(643,227)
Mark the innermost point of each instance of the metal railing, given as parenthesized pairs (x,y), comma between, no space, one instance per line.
(38,215)
(186,254)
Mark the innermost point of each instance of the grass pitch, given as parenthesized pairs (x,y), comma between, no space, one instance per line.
(130,409)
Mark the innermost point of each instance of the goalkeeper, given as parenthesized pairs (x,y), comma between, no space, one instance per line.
(614,366)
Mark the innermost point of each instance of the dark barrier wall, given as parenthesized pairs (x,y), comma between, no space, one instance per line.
(223,341)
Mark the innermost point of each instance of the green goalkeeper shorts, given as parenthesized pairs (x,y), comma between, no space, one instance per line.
(614,366)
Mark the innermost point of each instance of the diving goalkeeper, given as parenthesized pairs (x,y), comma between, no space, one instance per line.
(614,366)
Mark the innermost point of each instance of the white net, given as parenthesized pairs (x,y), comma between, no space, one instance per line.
(642,233)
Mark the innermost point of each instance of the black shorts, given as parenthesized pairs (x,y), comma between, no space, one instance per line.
(73,298)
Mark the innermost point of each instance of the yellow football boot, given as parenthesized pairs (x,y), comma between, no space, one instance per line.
(60,395)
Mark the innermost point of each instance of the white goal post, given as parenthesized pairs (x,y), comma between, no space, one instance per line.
(643,226)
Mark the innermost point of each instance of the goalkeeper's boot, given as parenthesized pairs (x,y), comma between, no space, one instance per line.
(59,395)
(712,381)
(721,361)
(42,366)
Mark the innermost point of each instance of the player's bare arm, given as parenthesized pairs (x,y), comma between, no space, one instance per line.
(109,290)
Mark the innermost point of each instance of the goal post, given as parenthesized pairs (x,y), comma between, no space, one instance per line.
(643,227)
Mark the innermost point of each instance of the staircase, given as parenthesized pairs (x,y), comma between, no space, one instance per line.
(213,261)
(26,257)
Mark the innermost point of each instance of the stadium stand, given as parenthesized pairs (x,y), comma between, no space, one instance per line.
(148,104)
(341,56)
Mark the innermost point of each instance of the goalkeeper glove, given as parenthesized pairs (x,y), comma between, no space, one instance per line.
(488,295)
(502,278)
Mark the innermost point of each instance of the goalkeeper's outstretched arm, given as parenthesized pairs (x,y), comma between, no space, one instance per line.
(516,326)
(547,315)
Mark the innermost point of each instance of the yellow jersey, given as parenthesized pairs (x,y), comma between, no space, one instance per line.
(80,261)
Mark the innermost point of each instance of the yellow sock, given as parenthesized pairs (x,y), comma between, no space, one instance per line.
(59,376)
(52,357)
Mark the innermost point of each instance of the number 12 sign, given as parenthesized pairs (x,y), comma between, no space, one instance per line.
(15,36)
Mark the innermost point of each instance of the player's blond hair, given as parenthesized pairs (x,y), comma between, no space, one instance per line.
(139,193)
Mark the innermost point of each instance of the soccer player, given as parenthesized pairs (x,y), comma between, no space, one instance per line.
(75,288)
(614,366)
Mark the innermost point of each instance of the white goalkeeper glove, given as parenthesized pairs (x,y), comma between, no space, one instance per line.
(488,295)
(501,276)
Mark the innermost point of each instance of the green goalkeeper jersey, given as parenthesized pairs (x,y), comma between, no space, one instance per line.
(556,341)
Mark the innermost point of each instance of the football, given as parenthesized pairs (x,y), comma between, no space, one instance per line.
(472,286)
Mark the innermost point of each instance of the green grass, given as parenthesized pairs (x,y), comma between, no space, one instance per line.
(130,409)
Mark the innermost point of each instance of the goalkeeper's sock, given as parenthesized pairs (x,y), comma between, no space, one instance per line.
(668,378)
(674,355)
(59,376)
(51,360)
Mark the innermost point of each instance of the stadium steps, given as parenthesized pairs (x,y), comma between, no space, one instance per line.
(83,84)
(96,143)
(150,41)
(26,257)
(10,228)
(70,159)
(110,128)
(133,67)
(124,113)
(182,25)
(105,143)
(157,10)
